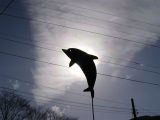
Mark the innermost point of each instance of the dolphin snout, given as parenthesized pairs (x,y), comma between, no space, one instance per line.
(64,50)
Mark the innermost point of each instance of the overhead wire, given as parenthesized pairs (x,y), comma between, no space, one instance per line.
(7,6)
(138,69)
(25,42)
(145,110)
(79,29)
(131,67)
(102,74)
(68,102)
(26,94)
(45,101)
(31,59)
(151,44)
(57,89)
(80,7)
(109,13)
(142,69)
(76,14)
(128,79)
(133,62)
(107,62)
(146,70)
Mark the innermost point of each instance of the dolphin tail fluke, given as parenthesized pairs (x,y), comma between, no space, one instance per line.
(86,90)
(91,90)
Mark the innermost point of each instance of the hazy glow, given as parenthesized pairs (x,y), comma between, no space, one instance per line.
(76,71)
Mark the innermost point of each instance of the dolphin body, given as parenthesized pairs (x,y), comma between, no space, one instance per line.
(85,61)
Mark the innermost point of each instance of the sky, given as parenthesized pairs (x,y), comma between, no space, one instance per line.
(124,34)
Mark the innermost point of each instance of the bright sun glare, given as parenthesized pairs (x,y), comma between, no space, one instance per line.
(75,69)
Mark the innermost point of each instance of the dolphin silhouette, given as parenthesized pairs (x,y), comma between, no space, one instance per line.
(86,63)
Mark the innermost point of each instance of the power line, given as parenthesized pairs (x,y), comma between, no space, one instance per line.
(69,27)
(30,44)
(98,33)
(77,14)
(128,79)
(131,67)
(132,61)
(147,111)
(96,26)
(104,12)
(67,102)
(25,40)
(57,89)
(26,95)
(102,74)
(140,63)
(84,23)
(42,100)
(31,59)
(7,6)
(107,62)
(142,69)
(80,7)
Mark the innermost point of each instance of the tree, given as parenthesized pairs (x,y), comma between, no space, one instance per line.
(14,107)
(51,115)
(37,114)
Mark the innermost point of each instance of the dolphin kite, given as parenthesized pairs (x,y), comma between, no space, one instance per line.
(85,61)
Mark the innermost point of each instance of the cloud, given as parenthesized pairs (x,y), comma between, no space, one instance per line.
(15,85)
(56,37)
(53,81)
(57,110)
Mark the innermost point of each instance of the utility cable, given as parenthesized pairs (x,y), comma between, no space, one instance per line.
(102,74)
(7,6)
(57,89)
(25,42)
(79,29)
(102,61)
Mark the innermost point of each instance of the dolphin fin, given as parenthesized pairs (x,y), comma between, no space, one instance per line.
(86,90)
(71,63)
(93,57)
(91,90)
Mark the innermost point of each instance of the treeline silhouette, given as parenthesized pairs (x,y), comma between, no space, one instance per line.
(15,107)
